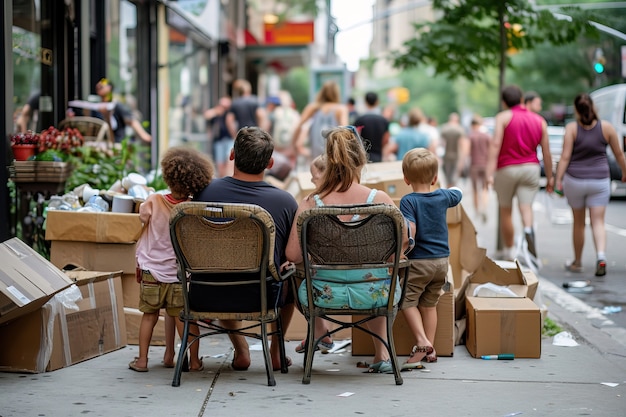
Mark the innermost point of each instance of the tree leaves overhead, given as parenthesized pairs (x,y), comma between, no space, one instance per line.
(472,35)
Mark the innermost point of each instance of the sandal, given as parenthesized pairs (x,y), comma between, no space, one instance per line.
(325,346)
(571,267)
(382,367)
(133,365)
(430,358)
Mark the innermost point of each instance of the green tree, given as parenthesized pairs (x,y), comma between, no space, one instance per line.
(473,35)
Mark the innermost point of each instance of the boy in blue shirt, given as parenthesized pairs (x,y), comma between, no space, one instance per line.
(426,212)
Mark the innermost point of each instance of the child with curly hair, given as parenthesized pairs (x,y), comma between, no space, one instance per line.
(186,171)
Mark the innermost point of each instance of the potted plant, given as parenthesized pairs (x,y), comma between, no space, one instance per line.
(25,145)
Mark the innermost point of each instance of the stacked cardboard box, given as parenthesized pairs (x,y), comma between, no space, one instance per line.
(101,242)
(51,323)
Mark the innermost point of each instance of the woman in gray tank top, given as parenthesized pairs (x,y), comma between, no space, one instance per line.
(583,177)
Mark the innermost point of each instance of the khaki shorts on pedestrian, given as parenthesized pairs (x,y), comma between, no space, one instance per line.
(156,295)
(517,180)
(425,281)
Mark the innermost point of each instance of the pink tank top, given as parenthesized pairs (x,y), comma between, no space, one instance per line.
(521,137)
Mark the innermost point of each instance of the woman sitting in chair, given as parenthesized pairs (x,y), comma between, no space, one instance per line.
(340,185)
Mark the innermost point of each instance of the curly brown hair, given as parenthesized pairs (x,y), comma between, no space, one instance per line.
(186,171)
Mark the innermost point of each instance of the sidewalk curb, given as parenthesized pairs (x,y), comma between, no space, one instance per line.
(587,324)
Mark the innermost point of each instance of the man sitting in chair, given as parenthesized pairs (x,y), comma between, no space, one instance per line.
(252,154)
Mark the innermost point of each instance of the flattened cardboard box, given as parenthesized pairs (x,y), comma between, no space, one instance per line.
(27,280)
(96,328)
(93,227)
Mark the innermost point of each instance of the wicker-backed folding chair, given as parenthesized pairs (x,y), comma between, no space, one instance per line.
(328,243)
(225,255)
(96,132)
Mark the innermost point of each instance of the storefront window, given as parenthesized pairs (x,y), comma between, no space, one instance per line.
(189,94)
(122,53)
(27,55)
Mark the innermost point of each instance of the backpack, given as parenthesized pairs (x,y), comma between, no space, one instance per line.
(319,122)
(284,122)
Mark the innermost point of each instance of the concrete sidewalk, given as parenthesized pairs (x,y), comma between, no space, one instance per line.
(566,381)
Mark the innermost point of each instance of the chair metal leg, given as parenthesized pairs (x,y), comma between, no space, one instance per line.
(268,358)
(391,347)
(182,355)
(281,348)
(309,351)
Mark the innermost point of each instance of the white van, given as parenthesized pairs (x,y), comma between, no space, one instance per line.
(610,103)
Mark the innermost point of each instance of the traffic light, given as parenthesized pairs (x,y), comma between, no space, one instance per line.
(599,61)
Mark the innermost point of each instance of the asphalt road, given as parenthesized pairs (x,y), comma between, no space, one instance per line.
(553,229)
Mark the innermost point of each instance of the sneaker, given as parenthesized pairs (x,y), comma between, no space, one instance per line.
(530,241)
(601,268)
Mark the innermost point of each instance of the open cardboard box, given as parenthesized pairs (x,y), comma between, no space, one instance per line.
(498,325)
(27,280)
(57,336)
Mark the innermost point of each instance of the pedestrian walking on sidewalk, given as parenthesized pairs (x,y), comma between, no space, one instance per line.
(513,167)
(584,177)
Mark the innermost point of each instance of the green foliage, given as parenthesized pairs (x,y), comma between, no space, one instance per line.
(550,328)
(100,168)
(473,35)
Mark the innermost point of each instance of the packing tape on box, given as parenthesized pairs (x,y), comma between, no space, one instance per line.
(116,318)
(56,307)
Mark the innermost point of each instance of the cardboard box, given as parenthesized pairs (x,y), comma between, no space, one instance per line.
(100,257)
(133,321)
(93,227)
(384,176)
(403,337)
(94,256)
(503,324)
(56,336)
(27,280)
(298,328)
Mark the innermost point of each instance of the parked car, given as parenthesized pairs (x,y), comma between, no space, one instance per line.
(610,103)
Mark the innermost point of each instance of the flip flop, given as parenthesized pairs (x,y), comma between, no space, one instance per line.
(200,369)
(409,366)
(168,365)
(133,365)
(289,363)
